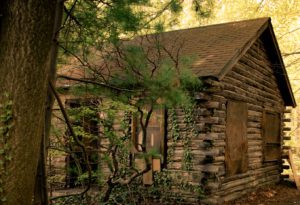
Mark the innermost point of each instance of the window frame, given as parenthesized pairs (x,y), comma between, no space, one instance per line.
(272,143)
(162,126)
(157,162)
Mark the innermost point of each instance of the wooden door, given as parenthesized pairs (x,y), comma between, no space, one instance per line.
(236,154)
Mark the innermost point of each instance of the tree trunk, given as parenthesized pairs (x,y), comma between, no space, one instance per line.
(41,191)
(26,29)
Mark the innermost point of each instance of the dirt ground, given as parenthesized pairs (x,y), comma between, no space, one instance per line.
(284,193)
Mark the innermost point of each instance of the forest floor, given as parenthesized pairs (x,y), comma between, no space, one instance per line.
(284,193)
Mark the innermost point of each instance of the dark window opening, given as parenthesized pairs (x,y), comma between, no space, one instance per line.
(88,126)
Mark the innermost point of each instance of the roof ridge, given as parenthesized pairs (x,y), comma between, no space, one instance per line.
(210,25)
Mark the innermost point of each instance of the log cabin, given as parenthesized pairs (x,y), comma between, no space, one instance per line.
(238,125)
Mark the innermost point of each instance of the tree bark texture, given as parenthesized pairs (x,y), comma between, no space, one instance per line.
(26,28)
(41,191)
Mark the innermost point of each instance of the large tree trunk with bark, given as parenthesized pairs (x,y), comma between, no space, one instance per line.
(26,29)
(41,191)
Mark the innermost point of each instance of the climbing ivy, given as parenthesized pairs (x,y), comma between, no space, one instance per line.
(175,136)
(187,153)
(6,117)
(175,133)
(190,132)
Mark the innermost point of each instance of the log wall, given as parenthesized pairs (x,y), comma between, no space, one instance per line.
(207,145)
(251,80)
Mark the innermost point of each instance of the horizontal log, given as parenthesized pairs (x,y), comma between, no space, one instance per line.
(254,118)
(254,125)
(237,182)
(211,136)
(211,104)
(210,168)
(200,112)
(252,84)
(255,107)
(285,147)
(253,166)
(255,142)
(249,182)
(233,95)
(237,192)
(254,113)
(254,148)
(201,96)
(251,173)
(212,185)
(254,91)
(217,128)
(212,82)
(255,154)
(288,111)
(252,130)
(261,61)
(255,160)
(219,143)
(211,152)
(260,73)
(214,90)
(285,167)
(211,120)
(219,113)
(219,159)
(245,65)
(254,137)
(212,201)
(218,98)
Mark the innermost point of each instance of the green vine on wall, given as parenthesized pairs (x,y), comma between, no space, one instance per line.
(175,133)
(191,132)
(187,138)
(6,119)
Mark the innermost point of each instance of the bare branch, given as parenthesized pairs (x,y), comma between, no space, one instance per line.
(296,29)
(135,175)
(69,12)
(290,54)
(70,15)
(78,142)
(94,83)
(260,5)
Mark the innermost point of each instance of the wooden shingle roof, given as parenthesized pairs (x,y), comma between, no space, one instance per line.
(216,48)
(215,45)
